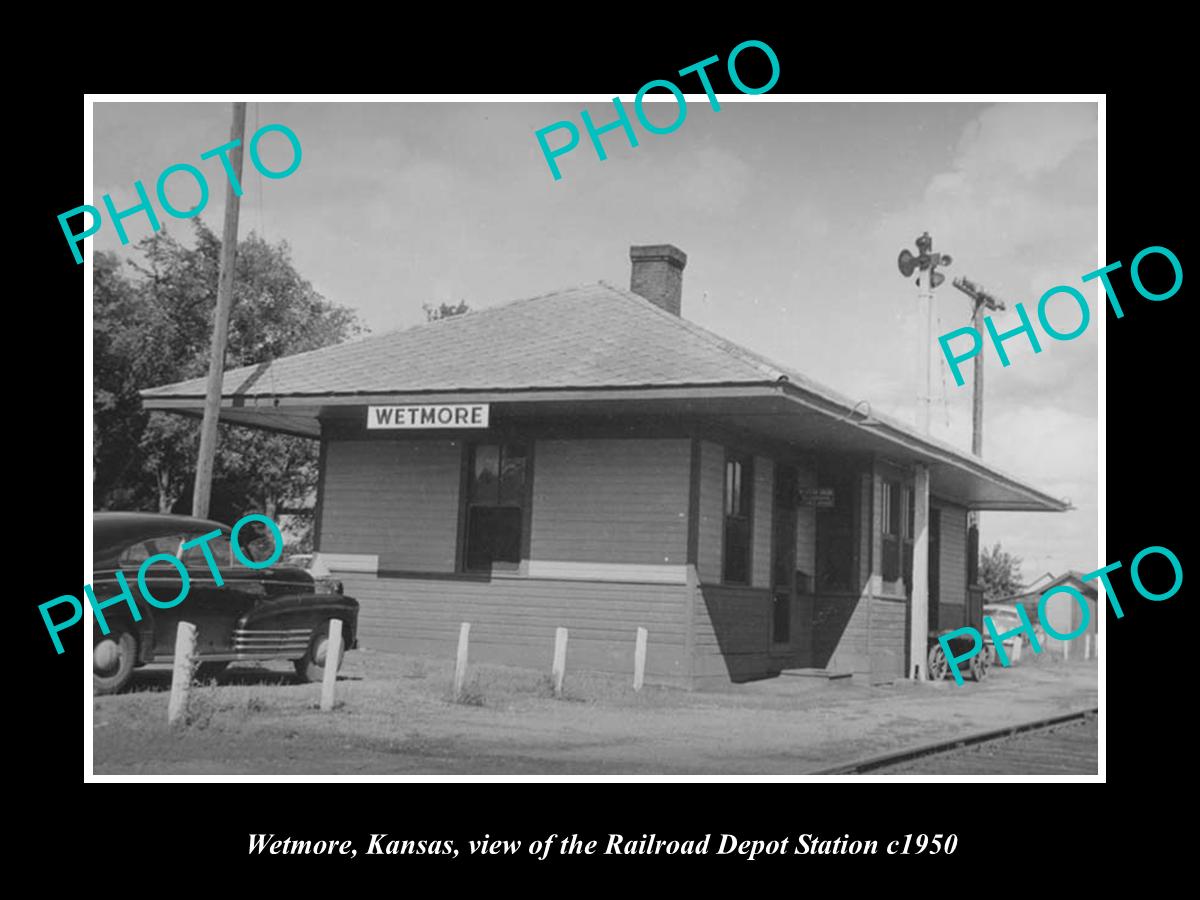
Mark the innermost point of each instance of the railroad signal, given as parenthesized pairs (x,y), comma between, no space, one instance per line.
(924,260)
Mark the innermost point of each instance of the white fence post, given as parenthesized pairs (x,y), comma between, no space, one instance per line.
(639,660)
(560,659)
(460,665)
(181,676)
(333,656)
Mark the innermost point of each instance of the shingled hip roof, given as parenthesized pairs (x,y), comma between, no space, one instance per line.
(586,337)
(595,337)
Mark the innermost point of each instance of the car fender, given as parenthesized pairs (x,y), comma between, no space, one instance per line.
(304,611)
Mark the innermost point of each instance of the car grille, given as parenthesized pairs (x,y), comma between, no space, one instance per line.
(256,642)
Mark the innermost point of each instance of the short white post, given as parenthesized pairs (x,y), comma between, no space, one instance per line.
(639,660)
(560,659)
(333,656)
(181,676)
(1087,646)
(460,665)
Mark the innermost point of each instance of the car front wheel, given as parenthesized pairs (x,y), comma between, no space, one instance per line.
(114,656)
(312,666)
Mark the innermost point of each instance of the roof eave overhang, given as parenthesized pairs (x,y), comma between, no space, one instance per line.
(1025,497)
(299,414)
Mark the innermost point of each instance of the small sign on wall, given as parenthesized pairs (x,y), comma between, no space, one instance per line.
(431,415)
(821,498)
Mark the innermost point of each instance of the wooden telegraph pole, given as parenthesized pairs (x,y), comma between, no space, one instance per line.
(216,361)
(979,299)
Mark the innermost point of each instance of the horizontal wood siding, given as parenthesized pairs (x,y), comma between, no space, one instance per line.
(732,634)
(712,520)
(760,547)
(611,501)
(513,621)
(840,628)
(952,615)
(952,569)
(889,639)
(860,635)
(396,499)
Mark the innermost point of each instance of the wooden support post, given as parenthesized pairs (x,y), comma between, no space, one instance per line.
(639,660)
(181,677)
(560,659)
(333,657)
(919,631)
(460,664)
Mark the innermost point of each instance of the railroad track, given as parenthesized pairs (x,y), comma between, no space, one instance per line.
(1050,742)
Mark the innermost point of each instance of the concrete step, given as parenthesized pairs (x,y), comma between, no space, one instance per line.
(815,673)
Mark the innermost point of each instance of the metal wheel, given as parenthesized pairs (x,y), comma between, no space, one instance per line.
(113,657)
(980,663)
(939,667)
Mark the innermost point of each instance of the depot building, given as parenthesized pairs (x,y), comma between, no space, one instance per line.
(590,459)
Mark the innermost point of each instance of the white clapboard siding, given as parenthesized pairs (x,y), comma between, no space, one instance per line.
(397,500)
(615,501)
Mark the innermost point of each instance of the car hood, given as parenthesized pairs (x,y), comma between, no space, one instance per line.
(283,580)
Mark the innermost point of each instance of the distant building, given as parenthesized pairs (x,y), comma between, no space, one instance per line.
(1063,612)
(590,459)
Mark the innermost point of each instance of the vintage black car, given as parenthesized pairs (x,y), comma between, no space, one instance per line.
(256,614)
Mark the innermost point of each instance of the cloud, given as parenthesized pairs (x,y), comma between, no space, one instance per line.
(1016,207)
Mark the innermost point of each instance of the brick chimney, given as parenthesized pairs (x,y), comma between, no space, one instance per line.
(658,275)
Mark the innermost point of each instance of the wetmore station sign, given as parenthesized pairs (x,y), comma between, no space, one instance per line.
(437,415)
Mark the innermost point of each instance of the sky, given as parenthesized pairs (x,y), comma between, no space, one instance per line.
(792,215)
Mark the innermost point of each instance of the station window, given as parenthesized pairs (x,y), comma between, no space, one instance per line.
(894,519)
(739,499)
(495,506)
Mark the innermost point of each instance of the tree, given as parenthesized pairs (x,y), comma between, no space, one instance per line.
(152,326)
(999,573)
(444,310)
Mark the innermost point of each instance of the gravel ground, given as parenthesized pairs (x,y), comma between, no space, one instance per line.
(395,716)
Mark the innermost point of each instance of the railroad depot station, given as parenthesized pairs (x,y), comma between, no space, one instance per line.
(592,460)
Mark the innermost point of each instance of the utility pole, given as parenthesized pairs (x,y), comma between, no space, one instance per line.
(925,264)
(980,299)
(216,361)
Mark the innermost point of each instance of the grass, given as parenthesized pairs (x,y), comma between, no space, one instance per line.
(396,714)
